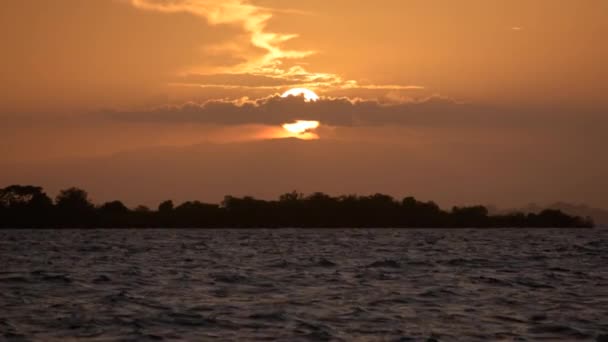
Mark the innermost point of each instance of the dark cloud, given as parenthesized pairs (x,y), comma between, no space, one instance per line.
(429,112)
(275,110)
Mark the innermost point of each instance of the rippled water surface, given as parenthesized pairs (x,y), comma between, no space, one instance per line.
(293,284)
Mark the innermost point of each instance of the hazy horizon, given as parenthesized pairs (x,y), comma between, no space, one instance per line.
(139,176)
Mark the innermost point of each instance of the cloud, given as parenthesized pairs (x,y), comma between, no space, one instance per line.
(276,110)
(295,76)
(431,112)
(55,57)
(266,71)
(244,80)
(251,18)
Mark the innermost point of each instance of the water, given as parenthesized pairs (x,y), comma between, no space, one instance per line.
(402,285)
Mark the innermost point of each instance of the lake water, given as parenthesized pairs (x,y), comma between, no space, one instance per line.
(295,284)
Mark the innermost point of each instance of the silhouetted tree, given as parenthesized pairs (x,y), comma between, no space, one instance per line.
(142,216)
(24,206)
(114,208)
(166,207)
(166,213)
(23,196)
(73,199)
(197,214)
(75,208)
(514,219)
(114,214)
(142,209)
(415,213)
(476,216)
(29,206)
(553,217)
(291,197)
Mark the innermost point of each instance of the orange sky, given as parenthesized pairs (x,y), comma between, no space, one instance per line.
(519,83)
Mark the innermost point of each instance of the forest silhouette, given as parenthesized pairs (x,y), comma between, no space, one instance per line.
(31,207)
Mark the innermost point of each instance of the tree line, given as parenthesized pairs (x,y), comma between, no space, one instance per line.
(30,207)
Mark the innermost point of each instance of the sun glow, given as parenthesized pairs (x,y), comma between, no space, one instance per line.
(309,95)
(301,126)
(302,129)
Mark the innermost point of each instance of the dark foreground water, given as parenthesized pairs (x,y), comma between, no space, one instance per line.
(402,285)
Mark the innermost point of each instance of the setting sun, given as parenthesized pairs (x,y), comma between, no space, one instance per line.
(309,95)
(301,126)
(302,129)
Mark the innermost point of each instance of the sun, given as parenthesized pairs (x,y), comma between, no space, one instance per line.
(301,126)
(309,95)
(301,129)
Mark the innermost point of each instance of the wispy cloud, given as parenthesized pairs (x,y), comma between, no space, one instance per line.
(265,72)
(296,76)
(252,19)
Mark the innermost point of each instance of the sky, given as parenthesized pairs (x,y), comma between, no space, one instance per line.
(462,102)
